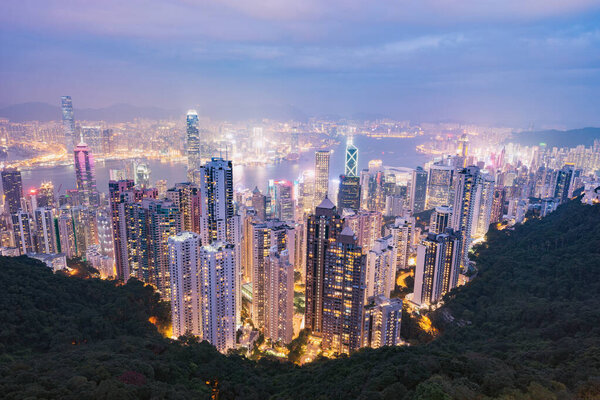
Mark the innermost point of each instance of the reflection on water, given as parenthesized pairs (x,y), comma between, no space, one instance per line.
(394,152)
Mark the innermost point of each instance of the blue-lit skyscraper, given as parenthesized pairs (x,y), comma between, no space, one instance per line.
(68,123)
(193,140)
(351,165)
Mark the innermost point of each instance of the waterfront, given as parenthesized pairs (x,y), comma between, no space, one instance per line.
(397,152)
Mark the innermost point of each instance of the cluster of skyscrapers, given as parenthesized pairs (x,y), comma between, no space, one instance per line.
(225,258)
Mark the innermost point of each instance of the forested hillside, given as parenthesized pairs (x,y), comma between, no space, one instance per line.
(527,328)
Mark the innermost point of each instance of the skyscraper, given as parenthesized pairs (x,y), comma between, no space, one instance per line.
(193,140)
(438,261)
(186,196)
(45,232)
(323,228)
(259,204)
(343,294)
(382,321)
(218,294)
(418,190)
(269,236)
(23,229)
(564,178)
(45,195)
(121,194)
(498,204)
(215,180)
(279,296)
(66,233)
(381,268)
(440,186)
(403,236)
(366,225)
(321,175)
(68,123)
(284,200)
(349,192)
(184,265)
(441,218)
(464,210)
(351,162)
(13,189)
(85,175)
(484,206)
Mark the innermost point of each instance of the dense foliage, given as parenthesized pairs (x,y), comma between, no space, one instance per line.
(528,327)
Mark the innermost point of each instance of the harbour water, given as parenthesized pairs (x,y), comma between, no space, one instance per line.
(397,152)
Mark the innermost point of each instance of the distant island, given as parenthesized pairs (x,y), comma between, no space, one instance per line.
(556,138)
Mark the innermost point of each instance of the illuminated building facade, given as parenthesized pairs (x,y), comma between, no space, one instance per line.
(323,228)
(321,175)
(12,186)
(382,322)
(184,263)
(68,123)
(343,294)
(85,176)
(438,262)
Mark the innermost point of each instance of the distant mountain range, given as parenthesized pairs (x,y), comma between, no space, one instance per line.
(37,111)
(556,138)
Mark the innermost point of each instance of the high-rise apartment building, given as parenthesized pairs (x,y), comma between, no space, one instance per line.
(382,322)
(12,186)
(441,218)
(186,196)
(485,198)
(323,228)
(438,261)
(564,178)
(403,236)
(279,296)
(23,227)
(259,204)
(465,209)
(215,180)
(266,237)
(343,294)
(381,268)
(66,233)
(218,295)
(184,273)
(45,233)
(366,225)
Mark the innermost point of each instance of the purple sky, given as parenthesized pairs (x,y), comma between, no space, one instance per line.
(514,61)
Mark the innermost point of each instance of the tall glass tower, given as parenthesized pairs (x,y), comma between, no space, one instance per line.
(13,189)
(193,140)
(85,175)
(68,122)
(351,165)
(321,175)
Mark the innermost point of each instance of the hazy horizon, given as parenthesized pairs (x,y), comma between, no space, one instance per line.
(512,63)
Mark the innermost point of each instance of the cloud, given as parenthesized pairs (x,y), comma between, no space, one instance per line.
(270,20)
